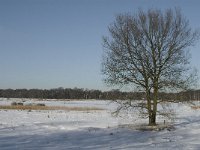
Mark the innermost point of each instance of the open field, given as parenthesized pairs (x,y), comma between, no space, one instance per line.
(77,129)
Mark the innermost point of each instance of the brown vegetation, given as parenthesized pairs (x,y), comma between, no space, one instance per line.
(35,107)
(195,107)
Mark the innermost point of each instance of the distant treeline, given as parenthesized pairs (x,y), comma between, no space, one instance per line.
(79,93)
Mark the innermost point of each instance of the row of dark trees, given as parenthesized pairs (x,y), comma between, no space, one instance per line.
(79,93)
(68,93)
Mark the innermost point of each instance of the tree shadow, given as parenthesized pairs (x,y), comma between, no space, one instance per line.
(89,139)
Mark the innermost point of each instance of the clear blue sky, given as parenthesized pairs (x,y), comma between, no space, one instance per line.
(57,43)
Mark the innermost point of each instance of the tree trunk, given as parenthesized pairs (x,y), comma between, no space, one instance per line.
(153,111)
(152,119)
(149,107)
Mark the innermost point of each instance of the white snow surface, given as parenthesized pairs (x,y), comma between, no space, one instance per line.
(93,130)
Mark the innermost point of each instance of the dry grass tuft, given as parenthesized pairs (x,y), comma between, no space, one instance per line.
(195,107)
(35,107)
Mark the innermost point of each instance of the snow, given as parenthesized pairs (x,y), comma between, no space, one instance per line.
(92,130)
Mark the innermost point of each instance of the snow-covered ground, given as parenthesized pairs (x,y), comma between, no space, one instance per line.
(92,130)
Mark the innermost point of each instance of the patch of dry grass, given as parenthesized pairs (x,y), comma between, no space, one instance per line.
(24,107)
(195,107)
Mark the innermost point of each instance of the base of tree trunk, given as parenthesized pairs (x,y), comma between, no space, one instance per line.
(152,124)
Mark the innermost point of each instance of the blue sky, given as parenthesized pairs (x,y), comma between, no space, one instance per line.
(57,43)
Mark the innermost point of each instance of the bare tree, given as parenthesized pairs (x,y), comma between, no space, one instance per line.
(149,50)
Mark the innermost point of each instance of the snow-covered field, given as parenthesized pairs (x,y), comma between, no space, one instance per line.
(92,130)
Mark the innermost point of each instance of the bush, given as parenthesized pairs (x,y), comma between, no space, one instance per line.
(40,104)
(33,104)
(15,104)
(21,104)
